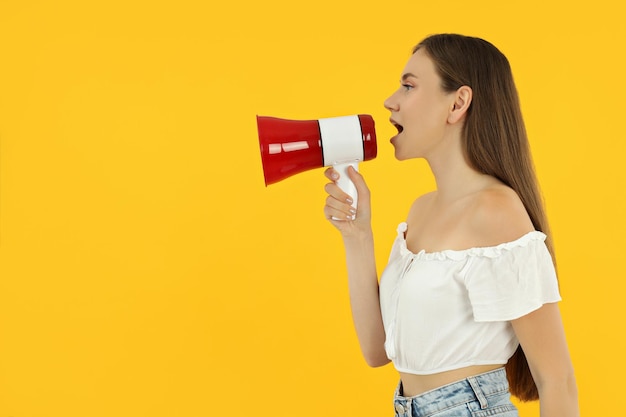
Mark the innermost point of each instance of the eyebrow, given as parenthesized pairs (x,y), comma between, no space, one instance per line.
(408,75)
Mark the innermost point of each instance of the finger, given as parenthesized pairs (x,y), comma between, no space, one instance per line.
(336,215)
(359,181)
(339,205)
(337,209)
(337,193)
(331,174)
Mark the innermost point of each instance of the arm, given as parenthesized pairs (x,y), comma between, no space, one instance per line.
(501,217)
(542,338)
(362,277)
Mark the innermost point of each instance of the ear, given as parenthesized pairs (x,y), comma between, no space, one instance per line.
(462,101)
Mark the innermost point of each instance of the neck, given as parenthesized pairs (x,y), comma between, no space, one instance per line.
(453,175)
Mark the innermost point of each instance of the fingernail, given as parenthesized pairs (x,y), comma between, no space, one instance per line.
(334,175)
(349,200)
(352,210)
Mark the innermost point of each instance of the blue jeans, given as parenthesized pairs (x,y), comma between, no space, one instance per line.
(477,396)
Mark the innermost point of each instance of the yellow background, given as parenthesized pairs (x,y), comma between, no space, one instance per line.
(147,271)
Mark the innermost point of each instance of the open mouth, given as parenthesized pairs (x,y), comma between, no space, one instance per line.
(397,126)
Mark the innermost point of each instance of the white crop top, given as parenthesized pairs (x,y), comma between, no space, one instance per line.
(451,309)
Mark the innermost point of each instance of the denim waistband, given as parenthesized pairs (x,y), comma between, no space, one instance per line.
(474,388)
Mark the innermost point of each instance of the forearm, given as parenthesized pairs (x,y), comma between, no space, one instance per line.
(364,297)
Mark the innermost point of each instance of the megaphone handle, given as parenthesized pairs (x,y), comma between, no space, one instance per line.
(345,183)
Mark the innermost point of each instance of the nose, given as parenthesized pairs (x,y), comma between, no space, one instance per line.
(390,103)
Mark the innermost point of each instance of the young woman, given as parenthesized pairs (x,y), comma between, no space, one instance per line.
(466,307)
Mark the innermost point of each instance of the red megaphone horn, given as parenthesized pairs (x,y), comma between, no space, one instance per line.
(289,147)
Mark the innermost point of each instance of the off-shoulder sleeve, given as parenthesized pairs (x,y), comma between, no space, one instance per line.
(510,280)
(396,248)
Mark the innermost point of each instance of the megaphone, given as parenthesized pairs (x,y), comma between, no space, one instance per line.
(289,147)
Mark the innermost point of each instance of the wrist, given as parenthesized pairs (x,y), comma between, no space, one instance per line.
(359,237)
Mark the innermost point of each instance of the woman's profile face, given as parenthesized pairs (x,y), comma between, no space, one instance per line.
(419,108)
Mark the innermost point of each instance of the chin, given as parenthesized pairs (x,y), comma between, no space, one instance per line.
(400,157)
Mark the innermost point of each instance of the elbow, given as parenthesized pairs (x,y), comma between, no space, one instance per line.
(572,388)
(376,360)
(373,350)
(377,363)
(565,386)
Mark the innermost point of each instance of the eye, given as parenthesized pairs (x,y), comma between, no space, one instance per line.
(407,87)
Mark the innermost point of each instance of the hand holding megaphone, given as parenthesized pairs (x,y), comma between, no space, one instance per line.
(289,147)
(338,207)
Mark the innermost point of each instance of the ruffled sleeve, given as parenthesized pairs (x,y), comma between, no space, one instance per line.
(396,249)
(508,281)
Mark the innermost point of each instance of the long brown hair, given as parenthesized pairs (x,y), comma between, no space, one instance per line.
(494,141)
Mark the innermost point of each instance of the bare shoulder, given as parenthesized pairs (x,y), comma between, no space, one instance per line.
(496,215)
(421,205)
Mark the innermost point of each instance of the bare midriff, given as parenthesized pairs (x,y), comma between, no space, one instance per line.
(413,385)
